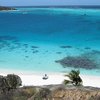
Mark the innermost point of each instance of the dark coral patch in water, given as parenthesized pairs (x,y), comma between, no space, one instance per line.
(25,45)
(88,60)
(26,56)
(34,46)
(95,52)
(9,43)
(66,46)
(58,52)
(26,51)
(35,51)
(8,38)
(46,51)
(77,62)
(87,48)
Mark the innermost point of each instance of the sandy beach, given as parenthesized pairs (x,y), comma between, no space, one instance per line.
(36,79)
(57,79)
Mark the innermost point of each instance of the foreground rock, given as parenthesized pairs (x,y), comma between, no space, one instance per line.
(61,92)
(52,92)
(6,8)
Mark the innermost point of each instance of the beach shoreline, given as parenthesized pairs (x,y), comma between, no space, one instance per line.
(36,79)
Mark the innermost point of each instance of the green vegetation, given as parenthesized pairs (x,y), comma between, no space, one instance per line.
(9,82)
(6,8)
(13,81)
(74,77)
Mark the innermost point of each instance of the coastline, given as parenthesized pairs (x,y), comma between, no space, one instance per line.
(35,79)
(24,57)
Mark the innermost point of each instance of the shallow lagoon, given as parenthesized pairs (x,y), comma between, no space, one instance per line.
(32,39)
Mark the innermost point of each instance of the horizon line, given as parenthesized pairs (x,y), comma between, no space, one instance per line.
(49,5)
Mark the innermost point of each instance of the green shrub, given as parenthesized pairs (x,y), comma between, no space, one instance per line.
(13,81)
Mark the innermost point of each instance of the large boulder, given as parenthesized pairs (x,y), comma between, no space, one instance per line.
(13,81)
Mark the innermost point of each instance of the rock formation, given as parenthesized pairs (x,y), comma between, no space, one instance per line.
(69,93)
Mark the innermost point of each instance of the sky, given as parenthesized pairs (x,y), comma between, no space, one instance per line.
(48,2)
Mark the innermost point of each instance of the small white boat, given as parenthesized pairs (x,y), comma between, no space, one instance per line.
(45,77)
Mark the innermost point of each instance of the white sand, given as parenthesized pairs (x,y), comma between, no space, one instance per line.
(37,79)
(54,78)
(91,80)
(58,79)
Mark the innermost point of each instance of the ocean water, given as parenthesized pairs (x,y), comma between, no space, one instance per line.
(32,39)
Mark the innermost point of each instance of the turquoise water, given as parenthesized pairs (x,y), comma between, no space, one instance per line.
(31,39)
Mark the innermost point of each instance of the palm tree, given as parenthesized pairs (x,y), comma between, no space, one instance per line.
(74,77)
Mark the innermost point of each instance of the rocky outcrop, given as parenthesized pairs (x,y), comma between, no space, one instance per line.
(66,93)
(52,92)
(6,8)
(76,94)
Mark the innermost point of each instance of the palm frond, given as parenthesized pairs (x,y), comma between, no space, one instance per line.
(66,82)
(74,78)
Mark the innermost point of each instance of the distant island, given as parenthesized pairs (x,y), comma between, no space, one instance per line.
(6,8)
